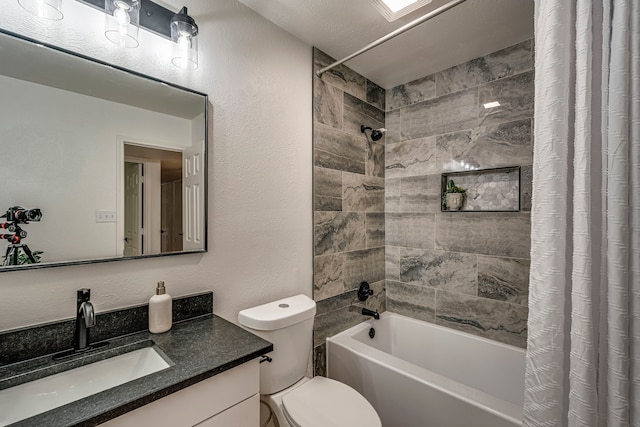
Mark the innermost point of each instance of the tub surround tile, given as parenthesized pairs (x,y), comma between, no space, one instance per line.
(327,104)
(331,323)
(392,123)
(364,108)
(449,113)
(328,276)
(336,149)
(504,279)
(338,232)
(377,301)
(491,191)
(414,230)
(418,302)
(450,271)
(515,95)
(503,145)
(327,190)
(356,114)
(411,158)
(504,63)
(374,165)
(336,302)
(320,360)
(376,95)
(375,229)
(410,93)
(488,318)
(420,194)
(500,234)
(366,265)
(392,189)
(341,76)
(362,193)
(526,187)
(392,262)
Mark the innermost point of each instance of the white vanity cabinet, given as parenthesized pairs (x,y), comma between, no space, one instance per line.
(229,399)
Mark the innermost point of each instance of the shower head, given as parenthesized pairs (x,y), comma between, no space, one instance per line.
(376,134)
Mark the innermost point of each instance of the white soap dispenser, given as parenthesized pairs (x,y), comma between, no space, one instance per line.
(160,315)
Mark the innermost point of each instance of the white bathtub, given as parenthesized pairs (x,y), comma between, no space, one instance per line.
(417,374)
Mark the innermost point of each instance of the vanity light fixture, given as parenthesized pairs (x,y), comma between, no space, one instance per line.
(47,9)
(184,34)
(122,20)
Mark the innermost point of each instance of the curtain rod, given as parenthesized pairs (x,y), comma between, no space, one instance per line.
(393,34)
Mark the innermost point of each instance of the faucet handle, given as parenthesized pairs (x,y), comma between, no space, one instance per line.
(83,295)
(89,314)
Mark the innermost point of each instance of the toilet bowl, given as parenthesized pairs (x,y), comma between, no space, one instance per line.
(294,400)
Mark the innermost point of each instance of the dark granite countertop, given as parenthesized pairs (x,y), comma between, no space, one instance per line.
(198,348)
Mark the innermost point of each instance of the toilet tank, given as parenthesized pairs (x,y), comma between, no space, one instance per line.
(288,325)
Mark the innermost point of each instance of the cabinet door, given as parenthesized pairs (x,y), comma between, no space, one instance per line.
(244,414)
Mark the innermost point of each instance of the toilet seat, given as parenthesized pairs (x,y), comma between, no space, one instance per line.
(323,402)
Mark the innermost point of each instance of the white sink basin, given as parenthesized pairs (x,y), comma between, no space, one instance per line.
(35,397)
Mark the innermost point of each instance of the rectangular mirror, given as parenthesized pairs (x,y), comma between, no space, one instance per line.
(100,163)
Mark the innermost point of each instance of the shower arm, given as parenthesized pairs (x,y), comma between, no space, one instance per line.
(393,34)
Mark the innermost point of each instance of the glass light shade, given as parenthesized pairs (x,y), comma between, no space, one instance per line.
(122,18)
(184,34)
(47,9)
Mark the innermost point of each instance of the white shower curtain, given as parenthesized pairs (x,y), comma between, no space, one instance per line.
(583,356)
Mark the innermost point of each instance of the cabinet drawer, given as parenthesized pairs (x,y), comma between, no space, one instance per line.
(244,414)
(197,403)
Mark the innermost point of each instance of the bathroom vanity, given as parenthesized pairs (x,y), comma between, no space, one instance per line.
(212,378)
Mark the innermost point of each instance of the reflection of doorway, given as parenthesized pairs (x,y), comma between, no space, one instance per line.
(153,208)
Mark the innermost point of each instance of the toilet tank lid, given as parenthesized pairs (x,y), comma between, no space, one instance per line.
(278,314)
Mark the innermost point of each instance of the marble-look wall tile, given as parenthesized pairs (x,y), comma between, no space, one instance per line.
(362,193)
(392,123)
(413,230)
(336,302)
(336,149)
(420,194)
(504,279)
(515,95)
(392,262)
(328,277)
(375,229)
(329,324)
(495,190)
(526,187)
(418,302)
(488,318)
(364,108)
(327,104)
(392,189)
(506,144)
(377,301)
(413,92)
(450,271)
(327,189)
(320,360)
(374,165)
(411,158)
(449,113)
(358,113)
(338,232)
(375,95)
(341,76)
(489,233)
(365,265)
(504,63)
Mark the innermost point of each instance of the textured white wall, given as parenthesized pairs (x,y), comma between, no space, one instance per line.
(258,78)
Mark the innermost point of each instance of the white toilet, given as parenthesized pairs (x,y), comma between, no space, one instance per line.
(297,401)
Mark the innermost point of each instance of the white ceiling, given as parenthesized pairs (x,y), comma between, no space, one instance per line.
(341,27)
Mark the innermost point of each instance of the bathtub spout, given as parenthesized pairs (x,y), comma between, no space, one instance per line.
(372,313)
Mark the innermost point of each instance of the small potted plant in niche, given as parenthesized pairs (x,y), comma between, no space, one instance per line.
(453,196)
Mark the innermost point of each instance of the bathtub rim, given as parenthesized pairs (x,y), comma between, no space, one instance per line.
(483,400)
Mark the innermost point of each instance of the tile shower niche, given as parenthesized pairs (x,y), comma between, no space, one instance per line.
(487,190)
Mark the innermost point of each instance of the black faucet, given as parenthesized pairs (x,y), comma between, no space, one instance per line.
(85,319)
(372,313)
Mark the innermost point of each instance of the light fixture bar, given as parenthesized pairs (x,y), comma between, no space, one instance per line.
(153,17)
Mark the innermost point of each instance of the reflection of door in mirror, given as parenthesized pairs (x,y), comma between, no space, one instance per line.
(152,208)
